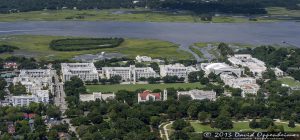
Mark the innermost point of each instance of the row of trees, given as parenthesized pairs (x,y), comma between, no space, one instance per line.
(2,87)
(77,44)
(198,6)
(7,48)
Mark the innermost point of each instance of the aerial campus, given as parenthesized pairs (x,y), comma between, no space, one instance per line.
(149,69)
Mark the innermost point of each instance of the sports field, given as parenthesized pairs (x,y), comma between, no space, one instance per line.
(131,87)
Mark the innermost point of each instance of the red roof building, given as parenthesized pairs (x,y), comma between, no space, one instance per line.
(8,65)
(149,96)
(28,115)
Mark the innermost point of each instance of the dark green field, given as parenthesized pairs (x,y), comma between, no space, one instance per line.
(78,44)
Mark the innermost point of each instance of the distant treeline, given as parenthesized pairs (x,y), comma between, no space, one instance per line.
(84,43)
(7,48)
(198,6)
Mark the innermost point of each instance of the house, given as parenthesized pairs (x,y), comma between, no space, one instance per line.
(8,65)
(278,72)
(147,95)
(95,96)
(143,59)
(84,71)
(198,94)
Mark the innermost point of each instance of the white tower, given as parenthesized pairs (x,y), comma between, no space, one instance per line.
(165,95)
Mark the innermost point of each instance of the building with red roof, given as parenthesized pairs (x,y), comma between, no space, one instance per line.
(147,95)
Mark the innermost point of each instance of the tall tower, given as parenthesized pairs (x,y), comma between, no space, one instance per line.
(165,95)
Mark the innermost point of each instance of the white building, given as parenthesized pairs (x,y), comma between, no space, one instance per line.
(38,73)
(41,96)
(247,84)
(198,94)
(143,59)
(278,72)
(95,96)
(150,96)
(36,79)
(256,66)
(85,71)
(33,84)
(131,73)
(218,68)
(176,70)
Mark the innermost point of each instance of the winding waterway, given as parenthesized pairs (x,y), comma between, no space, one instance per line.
(180,33)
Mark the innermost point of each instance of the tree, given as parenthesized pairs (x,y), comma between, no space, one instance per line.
(266,122)
(95,118)
(195,76)
(223,123)
(203,116)
(212,76)
(192,111)
(142,79)
(170,79)
(2,94)
(269,74)
(179,124)
(179,135)
(154,66)
(17,89)
(115,79)
(155,121)
(3,83)
(253,124)
(53,111)
(204,81)
(225,49)
(291,124)
(81,120)
(236,92)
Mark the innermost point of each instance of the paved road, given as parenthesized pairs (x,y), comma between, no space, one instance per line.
(59,100)
(166,130)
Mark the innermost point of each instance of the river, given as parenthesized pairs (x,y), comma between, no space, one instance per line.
(183,34)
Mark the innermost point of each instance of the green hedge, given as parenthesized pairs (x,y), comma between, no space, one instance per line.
(7,48)
(79,44)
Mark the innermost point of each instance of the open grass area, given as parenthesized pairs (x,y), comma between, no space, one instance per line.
(132,15)
(38,47)
(115,88)
(197,51)
(240,45)
(240,126)
(280,11)
(290,81)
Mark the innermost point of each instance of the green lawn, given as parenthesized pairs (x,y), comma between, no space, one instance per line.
(240,126)
(197,51)
(289,81)
(38,47)
(240,45)
(131,87)
(280,11)
(132,15)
